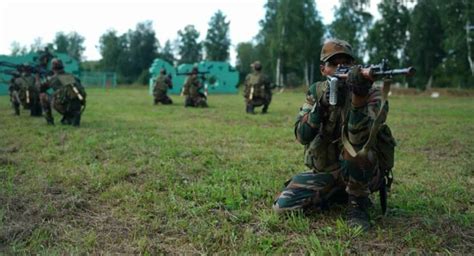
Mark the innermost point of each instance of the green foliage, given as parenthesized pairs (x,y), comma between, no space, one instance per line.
(189,47)
(217,41)
(290,31)
(16,49)
(351,24)
(90,65)
(425,46)
(71,44)
(142,179)
(246,55)
(387,37)
(111,48)
(167,53)
(143,50)
(131,54)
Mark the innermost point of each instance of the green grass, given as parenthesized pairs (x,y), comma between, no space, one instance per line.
(142,179)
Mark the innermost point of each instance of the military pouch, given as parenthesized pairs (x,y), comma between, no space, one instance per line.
(316,153)
(385,148)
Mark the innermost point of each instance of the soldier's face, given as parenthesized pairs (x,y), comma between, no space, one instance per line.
(330,66)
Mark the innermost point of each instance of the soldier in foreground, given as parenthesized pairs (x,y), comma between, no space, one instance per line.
(192,90)
(162,84)
(64,93)
(258,91)
(331,130)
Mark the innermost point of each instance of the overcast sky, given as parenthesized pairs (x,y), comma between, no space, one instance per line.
(23,21)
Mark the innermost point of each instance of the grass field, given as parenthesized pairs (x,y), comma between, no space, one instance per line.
(142,179)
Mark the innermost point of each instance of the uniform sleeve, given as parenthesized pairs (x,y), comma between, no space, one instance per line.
(246,86)
(308,120)
(361,118)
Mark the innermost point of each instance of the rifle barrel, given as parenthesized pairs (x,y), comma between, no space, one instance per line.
(393,72)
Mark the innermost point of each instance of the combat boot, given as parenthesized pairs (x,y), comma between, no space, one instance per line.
(357,215)
(17,111)
(249,109)
(76,119)
(49,118)
(65,120)
(265,109)
(50,121)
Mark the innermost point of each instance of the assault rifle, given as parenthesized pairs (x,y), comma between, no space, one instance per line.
(373,72)
(10,72)
(30,68)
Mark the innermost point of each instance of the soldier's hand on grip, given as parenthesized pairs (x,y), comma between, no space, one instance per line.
(358,83)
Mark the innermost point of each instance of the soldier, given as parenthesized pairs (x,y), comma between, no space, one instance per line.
(162,84)
(63,92)
(28,93)
(192,90)
(258,91)
(336,176)
(14,90)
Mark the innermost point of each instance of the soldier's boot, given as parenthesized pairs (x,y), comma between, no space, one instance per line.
(36,110)
(65,120)
(50,120)
(17,109)
(265,109)
(203,103)
(167,101)
(49,117)
(76,119)
(249,109)
(357,215)
(188,102)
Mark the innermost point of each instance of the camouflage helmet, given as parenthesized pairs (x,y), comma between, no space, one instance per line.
(256,65)
(56,64)
(335,46)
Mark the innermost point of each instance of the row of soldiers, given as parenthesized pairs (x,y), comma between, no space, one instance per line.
(45,91)
(257,92)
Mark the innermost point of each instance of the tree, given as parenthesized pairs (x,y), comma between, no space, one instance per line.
(387,38)
(76,46)
(455,70)
(424,49)
(143,50)
(167,53)
(189,47)
(37,45)
(110,48)
(217,41)
(351,24)
(246,53)
(71,44)
(17,49)
(61,42)
(290,32)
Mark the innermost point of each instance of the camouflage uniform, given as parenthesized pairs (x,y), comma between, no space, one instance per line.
(257,91)
(334,176)
(28,93)
(63,92)
(162,84)
(192,87)
(14,90)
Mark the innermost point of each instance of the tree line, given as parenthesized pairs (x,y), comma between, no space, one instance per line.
(431,35)
(434,36)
